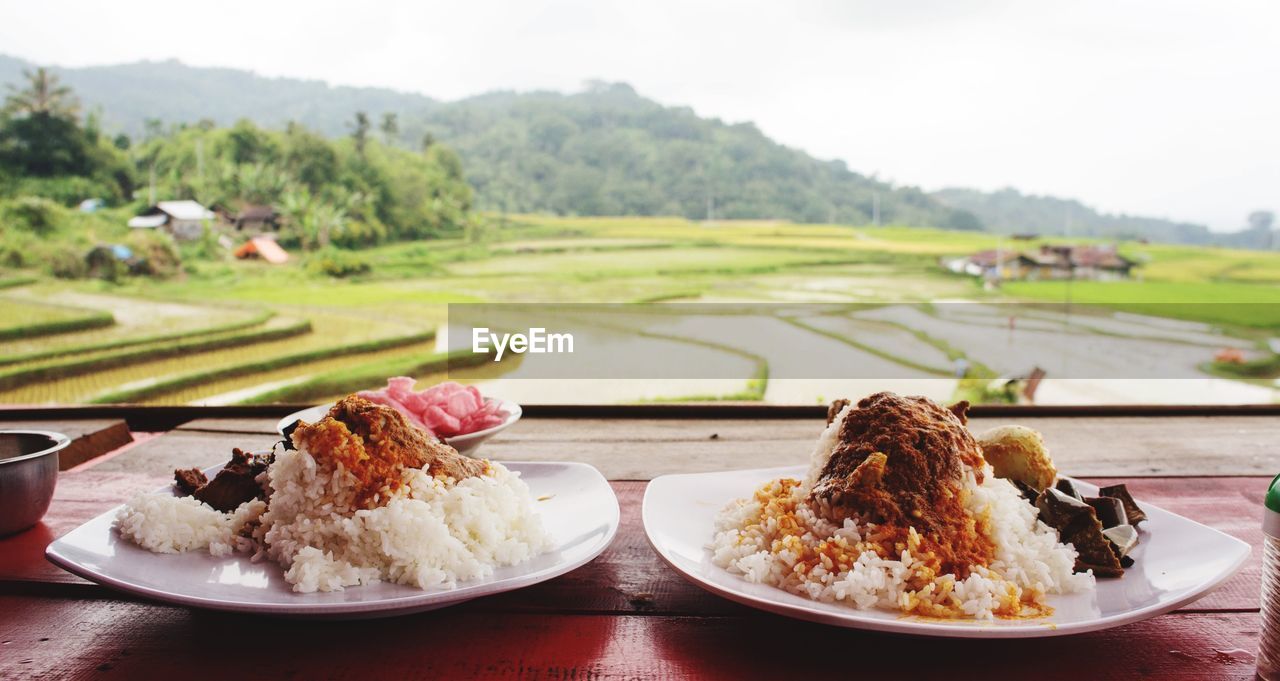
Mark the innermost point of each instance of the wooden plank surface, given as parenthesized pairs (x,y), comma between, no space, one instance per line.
(261,426)
(639,449)
(73,638)
(181,449)
(78,497)
(629,577)
(626,615)
(89,438)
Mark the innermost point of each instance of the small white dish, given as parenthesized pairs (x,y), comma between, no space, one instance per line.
(1177,561)
(465,444)
(577,505)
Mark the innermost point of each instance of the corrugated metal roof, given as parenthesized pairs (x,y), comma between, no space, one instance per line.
(185,210)
(148,221)
(989,258)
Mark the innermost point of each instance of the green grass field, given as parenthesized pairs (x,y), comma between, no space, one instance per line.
(668,261)
(1215,302)
(22,320)
(1186,264)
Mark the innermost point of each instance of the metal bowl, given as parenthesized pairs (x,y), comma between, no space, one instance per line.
(28,474)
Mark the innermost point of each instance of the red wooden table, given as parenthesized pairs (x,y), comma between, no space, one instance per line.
(626,615)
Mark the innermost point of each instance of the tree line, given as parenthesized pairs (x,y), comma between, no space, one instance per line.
(353,191)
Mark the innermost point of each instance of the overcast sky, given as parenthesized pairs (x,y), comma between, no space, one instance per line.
(1164,108)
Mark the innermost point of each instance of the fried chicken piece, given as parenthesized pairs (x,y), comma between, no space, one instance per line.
(899,462)
(1019,453)
(376,442)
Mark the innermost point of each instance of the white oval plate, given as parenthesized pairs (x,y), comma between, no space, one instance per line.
(465,444)
(1177,561)
(580,512)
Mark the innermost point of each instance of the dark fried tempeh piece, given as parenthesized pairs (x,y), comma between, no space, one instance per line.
(1131,508)
(236,483)
(189,480)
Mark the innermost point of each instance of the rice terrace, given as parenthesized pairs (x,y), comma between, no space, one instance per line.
(231,331)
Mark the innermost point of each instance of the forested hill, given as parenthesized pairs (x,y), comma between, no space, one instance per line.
(1009,211)
(603,151)
(171,92)
(609,151)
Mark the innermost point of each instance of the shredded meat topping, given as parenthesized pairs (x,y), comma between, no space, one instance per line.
(834,410)
(375,443)
(899,463)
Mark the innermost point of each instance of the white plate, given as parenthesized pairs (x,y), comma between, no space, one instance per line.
(581,514)
(1177,561)
(465,444)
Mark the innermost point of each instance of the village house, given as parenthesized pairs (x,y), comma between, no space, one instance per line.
(1081,262)
(1100,262)
(997,264)
(184,220)
(251,219)
(1050,261)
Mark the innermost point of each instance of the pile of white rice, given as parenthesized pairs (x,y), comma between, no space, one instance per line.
(764,537)
(428,533)
(165,524)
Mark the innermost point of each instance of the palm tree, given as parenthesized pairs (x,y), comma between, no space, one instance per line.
(390,127)
(314,221)
(350,203)
(326,221)
(260,183)
(360,131)
(43,96)
(295,206)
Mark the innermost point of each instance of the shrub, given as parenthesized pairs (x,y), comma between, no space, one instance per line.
(477,230)
(1265,367)
(66,263)
(33,214)
(360,234)
(16,248)
(68,190)
(107,268)
(158,251)
(207,247)
(337,263)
